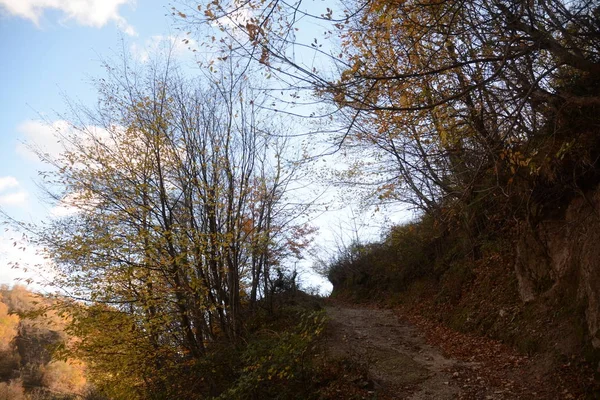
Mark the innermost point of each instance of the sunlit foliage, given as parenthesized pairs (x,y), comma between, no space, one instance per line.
(174,191)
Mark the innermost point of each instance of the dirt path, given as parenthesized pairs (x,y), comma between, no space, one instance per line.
(400,362)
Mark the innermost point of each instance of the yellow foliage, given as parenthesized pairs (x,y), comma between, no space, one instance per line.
(12,390)
(65,376)
(19,299)
(9,324)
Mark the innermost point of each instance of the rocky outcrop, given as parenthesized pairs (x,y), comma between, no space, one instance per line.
(565,253)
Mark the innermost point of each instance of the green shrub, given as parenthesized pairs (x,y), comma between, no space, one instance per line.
(279,365)
(405,254)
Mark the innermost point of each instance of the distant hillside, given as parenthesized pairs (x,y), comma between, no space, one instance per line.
(28,369)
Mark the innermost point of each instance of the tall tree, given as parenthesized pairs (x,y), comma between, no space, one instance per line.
(176,196)
(458,96)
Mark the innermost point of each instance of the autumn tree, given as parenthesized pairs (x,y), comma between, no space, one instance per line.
(463,95)
(174,196)
(454,101)
(8,327)
(29,332)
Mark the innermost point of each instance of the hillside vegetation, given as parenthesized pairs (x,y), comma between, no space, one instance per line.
(538,300)
(484,116)
(185,219)
(29,367)
(43,355)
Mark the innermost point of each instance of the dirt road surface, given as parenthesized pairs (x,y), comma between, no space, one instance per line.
(400,364)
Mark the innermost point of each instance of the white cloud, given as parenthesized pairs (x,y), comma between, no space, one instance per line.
(178,47)
(63,210)
(74,203)
(239,15)
(235,20)
(8,182)
(13,199)
(42,136)
(93,13)
(53,138)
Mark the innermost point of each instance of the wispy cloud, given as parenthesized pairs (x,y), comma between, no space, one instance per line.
(8,182)
(177,46)
(8,195)
(13,199)
(41,136)
(94,13)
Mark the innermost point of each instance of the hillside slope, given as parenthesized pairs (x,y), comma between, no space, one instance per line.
(533,286)
(407,357)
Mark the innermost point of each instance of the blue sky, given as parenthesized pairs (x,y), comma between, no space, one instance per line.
(49,53)
(52,49)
